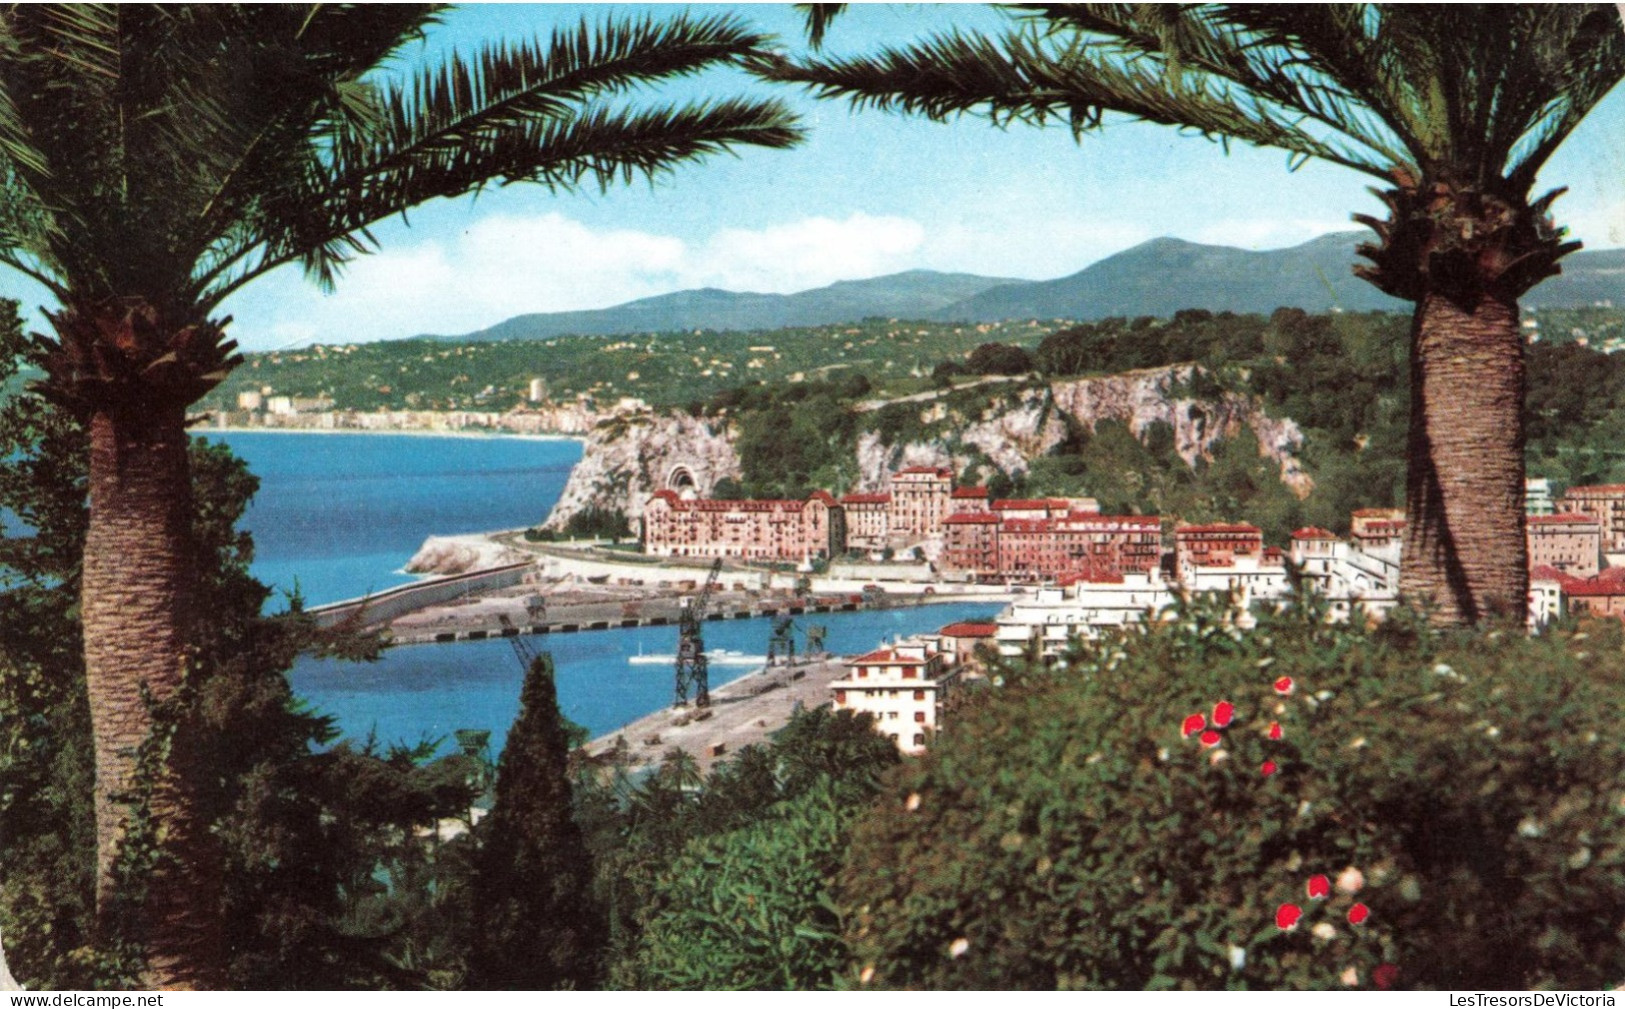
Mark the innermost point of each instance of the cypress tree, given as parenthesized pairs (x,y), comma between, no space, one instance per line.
(538,927)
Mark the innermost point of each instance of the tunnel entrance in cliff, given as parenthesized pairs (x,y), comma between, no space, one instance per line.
(681,480)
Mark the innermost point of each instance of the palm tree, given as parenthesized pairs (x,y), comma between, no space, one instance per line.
(154,159)
(1453,108)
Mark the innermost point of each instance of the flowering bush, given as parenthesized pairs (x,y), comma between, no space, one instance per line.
(1299,806)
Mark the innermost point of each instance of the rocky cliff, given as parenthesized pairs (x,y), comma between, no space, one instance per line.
(625,459)
(628,459)
(1140,399)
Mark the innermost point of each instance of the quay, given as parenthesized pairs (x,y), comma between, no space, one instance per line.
(742,713)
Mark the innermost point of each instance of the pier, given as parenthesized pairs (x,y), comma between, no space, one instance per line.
(742,713)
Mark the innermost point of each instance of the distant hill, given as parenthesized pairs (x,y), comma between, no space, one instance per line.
(917,294)
(1163,275)
(1158,278)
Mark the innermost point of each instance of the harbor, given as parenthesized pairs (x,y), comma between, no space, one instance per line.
(742,713)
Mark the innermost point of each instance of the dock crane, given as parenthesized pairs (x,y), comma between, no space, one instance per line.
(692,669)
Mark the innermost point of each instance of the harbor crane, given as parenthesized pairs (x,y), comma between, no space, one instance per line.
(692,668)
(782,642)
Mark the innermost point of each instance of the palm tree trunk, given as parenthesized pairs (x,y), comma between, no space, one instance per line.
(1464,537)
(135,601)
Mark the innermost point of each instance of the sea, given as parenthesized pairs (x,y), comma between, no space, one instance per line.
(338,515)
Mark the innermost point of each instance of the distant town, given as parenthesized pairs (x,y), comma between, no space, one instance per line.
(1073,571)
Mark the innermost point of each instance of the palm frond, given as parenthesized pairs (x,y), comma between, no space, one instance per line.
(1036,78)
(536,113)
(818,18)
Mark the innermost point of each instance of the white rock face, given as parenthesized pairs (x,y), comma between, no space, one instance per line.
(1139,399)
(626,459)
(455,555)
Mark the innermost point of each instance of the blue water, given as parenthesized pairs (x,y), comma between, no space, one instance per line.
(427,691)
(339,515)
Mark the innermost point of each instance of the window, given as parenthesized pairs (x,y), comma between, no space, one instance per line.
(840,697)
(919,716)
(919,739)
(919,695)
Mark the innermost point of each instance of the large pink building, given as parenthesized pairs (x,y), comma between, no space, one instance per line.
(991,545)
(768,530)
(1567,541)
(867,520)
(919,500)
(1606,504)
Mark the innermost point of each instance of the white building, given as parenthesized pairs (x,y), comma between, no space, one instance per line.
(1044,622)
(903,687)
(1348,577)
(1545,597)
(1244,579)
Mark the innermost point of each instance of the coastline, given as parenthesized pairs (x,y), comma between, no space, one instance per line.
(422,432)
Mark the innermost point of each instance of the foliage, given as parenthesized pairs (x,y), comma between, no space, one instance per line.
(637,831)
(750,909)
(998,359)
(536,925)
(693,371)
(319,847)
(1068,833)
(595,522)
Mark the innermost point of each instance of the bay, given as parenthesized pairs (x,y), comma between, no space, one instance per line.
(338,515)
(418,692)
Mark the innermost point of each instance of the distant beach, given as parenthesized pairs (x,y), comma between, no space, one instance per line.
(201,429)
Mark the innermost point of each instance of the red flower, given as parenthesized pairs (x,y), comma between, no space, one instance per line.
(1222,713)
(1275,730)
(1319,888)
(1286,917)
(1358,914)
(1384,976)
(1192,725)
(1269,768)
(1211,738)
(1283,685)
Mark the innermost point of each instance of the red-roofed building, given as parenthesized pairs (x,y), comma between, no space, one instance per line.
(903,687)
(967,499)
(970,544)
(958,642)
(1600,596)
(988,545)
(1379,531)
(919,500)
(867,520)
(1215,545)
(1036,508)
(1606,504)
(1567,541)
(766,530)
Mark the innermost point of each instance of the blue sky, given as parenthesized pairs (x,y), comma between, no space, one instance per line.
(866,194)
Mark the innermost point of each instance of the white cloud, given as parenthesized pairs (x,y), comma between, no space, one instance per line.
(811,252)
(507,265)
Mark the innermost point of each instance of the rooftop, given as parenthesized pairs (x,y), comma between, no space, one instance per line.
(970,629)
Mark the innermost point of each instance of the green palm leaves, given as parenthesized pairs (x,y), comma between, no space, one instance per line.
(179,152)
(1478,96)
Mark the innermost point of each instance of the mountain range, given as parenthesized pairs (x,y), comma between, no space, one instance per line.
(1157,277)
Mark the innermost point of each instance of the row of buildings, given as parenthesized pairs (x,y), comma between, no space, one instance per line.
(1107,572)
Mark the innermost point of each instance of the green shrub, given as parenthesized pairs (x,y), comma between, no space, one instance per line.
(1066,834)
(600,523)
(750,909)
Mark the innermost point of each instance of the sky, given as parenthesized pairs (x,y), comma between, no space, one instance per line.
(866,194)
